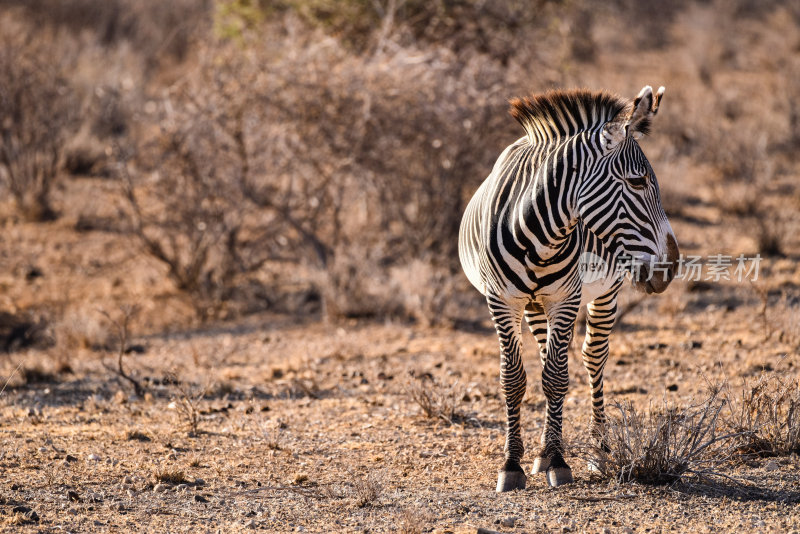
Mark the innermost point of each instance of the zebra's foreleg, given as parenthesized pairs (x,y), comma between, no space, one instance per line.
(555,381)
(537,323)
(508,323)
(600,317)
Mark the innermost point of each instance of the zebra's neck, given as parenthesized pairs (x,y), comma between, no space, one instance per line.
(551,203)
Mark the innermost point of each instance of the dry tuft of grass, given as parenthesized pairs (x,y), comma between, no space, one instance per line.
(766,417)
(366,490)
(170,476)
(663,445)
(437,401)
(186,403)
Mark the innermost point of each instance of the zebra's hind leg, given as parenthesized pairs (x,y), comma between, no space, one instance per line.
(537,323)
(555,381)
(508,323)
(600,317)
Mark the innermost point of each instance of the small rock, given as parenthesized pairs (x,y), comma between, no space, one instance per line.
(199,498)
(199,482)
(508,521)
(181,487)
(131,493)
(160,488)
(672,387)
(127,480)
(772,465)
(93,458)
(69,458)
(42,450)
(73,496)
(250,524)
(627,530)
(94,497)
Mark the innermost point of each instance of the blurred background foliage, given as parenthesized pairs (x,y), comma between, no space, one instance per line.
(315,156)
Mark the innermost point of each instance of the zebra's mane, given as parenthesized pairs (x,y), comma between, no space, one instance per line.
(559,113)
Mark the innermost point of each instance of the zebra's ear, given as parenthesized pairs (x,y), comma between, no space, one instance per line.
(633,120)
(645,106)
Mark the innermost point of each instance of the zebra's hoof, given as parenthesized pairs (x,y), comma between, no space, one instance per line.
(558,476)
(510,480)
(540,464)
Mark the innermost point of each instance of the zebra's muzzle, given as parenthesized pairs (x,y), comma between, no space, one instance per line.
(655,276)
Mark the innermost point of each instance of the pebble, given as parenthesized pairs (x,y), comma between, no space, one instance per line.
(508,521)
(160,488)
(199,482)
(181,487)
(73,496)
(93,458)
(772,465)
(94,497)
(199,498)
(127,480)
(43,449)
(250,524)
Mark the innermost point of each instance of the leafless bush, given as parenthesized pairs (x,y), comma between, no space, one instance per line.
(159,31)
(781,317)
(32,134)
(437,401)
(663,445)
(766,417)
(186,402)
(187,212)
(122,332)
(365,490)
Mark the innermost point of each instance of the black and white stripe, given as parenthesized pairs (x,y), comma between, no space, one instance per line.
(578,182)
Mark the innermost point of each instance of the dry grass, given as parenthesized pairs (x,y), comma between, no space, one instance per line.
(170,476)
(366,490)
(186,403)
(766,417)
(437,401)
(664,444)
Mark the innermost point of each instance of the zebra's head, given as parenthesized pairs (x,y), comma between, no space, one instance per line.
(620,202)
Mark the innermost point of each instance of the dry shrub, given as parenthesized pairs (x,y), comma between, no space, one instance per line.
(259,162)
(366,490)
(21,330)
(663,445)
(766,417)
(437,401)
(186,402)
(32,135)
(170,476)
(159,31)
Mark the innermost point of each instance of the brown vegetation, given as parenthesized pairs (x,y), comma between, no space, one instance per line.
(276,188)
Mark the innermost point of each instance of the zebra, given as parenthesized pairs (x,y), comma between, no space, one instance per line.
(576,184)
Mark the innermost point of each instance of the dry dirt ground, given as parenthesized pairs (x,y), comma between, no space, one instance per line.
(309,427)
(288,424)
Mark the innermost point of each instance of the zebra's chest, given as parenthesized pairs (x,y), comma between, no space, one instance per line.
(596,288)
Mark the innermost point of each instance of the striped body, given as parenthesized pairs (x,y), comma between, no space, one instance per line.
(577,183)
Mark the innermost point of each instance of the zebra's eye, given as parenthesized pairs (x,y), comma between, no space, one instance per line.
(637,182)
